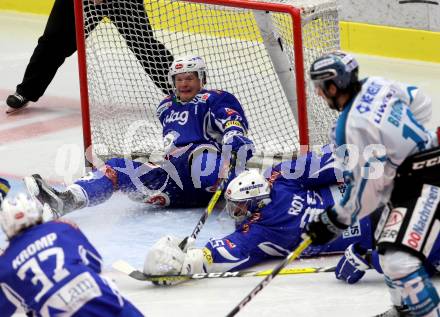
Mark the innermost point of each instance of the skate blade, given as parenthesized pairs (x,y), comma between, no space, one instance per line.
(11,110)
(31,185)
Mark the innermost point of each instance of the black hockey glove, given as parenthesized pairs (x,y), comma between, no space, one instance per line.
(324,228)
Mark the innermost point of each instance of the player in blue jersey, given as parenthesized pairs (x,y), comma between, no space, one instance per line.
(200,127)
(4,188)
(270,217)
(394,161)
(51,269)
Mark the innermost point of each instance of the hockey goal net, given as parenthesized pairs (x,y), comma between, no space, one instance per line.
(258,50)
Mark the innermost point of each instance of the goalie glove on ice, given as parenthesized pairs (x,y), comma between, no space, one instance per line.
(166,258)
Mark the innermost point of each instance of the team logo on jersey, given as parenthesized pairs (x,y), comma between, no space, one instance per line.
(230,244)
(180,117)
(230,111)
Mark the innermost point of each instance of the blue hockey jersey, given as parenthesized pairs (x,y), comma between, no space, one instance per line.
(300,189)
(202,120)
(52,270)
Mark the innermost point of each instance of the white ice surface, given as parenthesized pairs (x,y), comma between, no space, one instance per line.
(122,229)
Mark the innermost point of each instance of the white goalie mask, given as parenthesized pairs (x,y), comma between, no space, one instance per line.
(19,213)
(246,193)
(187,64)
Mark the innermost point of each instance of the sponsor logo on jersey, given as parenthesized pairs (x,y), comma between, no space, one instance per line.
(205,97)
(233,123)
(161,108)
(426,163)
(180,117)
(368,97)
(422,215)
(392,225)
(353,231)
(178,66)
(380,111)
(72,296)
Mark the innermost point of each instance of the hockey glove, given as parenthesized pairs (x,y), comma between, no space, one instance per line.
(238,143)
(351,267)
(324,227)
(166,258)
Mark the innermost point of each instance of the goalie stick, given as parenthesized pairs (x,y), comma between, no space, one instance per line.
(183,244)
(126,268)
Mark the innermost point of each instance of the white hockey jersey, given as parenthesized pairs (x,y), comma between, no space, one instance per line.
(374,134)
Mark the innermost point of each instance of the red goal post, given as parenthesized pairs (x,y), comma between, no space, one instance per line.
(265,49)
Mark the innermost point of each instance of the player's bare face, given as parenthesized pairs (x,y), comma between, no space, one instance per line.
(187,86)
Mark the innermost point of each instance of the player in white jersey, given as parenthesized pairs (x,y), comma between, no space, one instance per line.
(389,159)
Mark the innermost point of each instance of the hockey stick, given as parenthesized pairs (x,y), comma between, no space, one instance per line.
(183,244)
(126,268)
(292,256)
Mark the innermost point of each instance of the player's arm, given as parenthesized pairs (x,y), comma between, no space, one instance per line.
(228,118)
(419,103)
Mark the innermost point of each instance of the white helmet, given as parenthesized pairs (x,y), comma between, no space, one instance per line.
(245,193)
(19,213)
(187,64)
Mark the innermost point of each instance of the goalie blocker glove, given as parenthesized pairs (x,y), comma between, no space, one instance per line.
(166,258)
(324,227)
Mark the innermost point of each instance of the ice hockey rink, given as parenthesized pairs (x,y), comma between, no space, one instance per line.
(46,138)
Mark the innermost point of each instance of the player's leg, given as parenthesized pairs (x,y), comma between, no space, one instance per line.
(132,22)
(406,274)
(56,43)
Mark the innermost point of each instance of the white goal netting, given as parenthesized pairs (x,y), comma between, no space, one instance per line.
(130,45)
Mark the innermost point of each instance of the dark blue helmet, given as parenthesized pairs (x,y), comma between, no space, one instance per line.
(337,67)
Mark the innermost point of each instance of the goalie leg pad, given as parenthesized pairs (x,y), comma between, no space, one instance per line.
(412,226)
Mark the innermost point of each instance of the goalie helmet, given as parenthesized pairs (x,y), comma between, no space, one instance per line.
(246,193)
(19,213)
(187,64)
(336,67)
